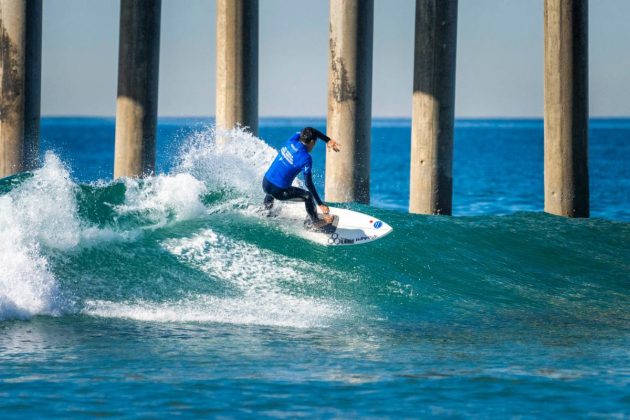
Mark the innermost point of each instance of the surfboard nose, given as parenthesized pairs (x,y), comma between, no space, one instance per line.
(384,227)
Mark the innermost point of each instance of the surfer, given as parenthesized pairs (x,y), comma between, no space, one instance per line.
(294,157)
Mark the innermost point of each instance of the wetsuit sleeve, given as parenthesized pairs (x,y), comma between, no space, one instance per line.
(308,180)
(320,135)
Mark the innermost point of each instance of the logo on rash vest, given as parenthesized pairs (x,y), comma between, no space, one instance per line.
(287,155)
(378,224)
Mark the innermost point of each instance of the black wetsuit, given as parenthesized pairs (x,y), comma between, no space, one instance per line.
(292,159)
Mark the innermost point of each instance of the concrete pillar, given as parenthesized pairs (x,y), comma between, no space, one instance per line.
(431,183)
(237,64)
(566,108)
(20,75)
(349,100)
(136,105)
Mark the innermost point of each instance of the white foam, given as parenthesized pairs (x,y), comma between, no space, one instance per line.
(39,217)
(227,160)
(163,198)
(262,278)
(262,283)
(41,212)
(286,311)
(45,206)
(26,286)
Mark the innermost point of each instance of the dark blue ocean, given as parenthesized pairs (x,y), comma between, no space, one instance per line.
(172,295)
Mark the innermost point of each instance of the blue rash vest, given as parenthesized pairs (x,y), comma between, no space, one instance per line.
(292,159)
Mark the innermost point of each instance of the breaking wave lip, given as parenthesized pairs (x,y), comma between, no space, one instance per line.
(39,213)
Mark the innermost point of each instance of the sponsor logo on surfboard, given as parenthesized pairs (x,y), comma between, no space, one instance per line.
(378,224)
(336,240)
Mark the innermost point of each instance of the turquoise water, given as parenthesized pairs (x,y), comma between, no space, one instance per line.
(172,295)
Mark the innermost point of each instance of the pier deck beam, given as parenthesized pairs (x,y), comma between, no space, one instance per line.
(20,84)
(237,64)
(136,105)
(566,108)
(350,100)
(431,175)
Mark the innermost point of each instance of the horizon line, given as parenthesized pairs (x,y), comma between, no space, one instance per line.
(305,117)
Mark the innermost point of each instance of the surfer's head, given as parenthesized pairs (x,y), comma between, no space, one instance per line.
(307,135)
(308,138)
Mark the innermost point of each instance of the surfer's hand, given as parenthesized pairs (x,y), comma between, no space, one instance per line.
(332,144)
(324,208)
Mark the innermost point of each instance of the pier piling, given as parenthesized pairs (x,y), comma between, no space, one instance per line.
(431,175)
(237,64)
(350,100)
(20,84)
(136,105)
(566,108)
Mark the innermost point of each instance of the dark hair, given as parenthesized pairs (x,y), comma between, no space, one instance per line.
(308,135)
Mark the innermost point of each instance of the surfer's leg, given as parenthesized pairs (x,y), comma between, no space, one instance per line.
(290,194)
(268,201)
(310,207)
(298,194)
(268,188)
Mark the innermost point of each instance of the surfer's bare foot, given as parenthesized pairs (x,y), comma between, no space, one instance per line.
(326,219)
(319,224)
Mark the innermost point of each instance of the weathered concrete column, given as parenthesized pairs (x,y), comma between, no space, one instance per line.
(136,106)
(431,184)
(566,108)
(237,64)
(20,75)
(349,100)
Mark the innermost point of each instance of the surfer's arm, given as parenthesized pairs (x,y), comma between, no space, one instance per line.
(320,135)
(308,180)
(329,142)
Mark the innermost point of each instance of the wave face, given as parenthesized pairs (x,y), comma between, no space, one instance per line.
(147,249)
(191,246)
(177,280)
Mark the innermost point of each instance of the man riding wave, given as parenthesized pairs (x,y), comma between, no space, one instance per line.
(294,157)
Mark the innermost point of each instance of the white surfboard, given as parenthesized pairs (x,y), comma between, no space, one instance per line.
(348,228)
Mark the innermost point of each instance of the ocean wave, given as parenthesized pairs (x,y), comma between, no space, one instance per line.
(46,214)
(190,246)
